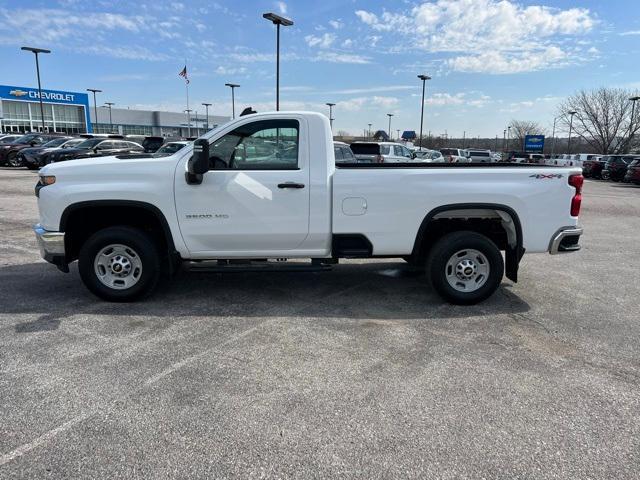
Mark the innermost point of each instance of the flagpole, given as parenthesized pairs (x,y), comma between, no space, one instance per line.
(186,85)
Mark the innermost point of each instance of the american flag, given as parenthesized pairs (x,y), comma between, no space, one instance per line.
(183,73)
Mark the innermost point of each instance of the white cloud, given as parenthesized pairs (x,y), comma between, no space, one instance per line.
(336,24)
(383,88)
(487,35)
(282,7)
(323,41)
(630,32)
(348,43)
(221,70)
(335,57)
(358,103)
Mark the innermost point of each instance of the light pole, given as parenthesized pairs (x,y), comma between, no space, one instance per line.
(330,105)
(633,101)
(233,87)
(504,140)
(369,129)
(424,79)
(206,107)
(553,145)
(95,108)
(572,113)
(277,20)
(188,112)
(109,105)
(389,115)
(398,133)
(508,136)
(36,51)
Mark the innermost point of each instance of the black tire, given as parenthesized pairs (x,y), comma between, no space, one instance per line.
(147,253)
(445,248)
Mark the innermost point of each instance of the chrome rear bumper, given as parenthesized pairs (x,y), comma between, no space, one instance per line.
(565,240)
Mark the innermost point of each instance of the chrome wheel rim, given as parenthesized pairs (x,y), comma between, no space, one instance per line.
(467,270)
(118,266)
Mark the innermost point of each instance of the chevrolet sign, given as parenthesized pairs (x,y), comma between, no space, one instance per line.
(52,96)
(18,93)
(534,143)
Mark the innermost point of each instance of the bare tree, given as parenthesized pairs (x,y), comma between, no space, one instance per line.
(521,128)
(602,119)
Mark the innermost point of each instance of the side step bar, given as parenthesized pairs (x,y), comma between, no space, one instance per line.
(223,266)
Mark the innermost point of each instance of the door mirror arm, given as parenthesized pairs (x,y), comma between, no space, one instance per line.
(198,164)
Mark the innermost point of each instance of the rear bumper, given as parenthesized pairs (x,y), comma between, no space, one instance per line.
(51,245)
(565,240)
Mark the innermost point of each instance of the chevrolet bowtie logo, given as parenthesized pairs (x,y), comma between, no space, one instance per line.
(18,93)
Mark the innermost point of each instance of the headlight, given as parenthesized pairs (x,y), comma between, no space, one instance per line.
(47,179)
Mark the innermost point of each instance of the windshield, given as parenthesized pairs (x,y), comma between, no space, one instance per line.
(169,149)
(56,142)
(25,139)
(449,151)
(89,143)
(479,154)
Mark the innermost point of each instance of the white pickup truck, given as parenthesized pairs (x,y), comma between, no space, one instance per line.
(265,187)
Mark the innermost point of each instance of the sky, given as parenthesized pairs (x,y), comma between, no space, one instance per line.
(490,61)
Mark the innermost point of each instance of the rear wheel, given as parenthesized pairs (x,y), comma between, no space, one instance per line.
(465,267)
(119,264)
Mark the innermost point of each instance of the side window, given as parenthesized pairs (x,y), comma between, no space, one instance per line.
(397,151)
(337,151)
(104,145)
(385,150)
(348,154)
(261,145)
(406,152)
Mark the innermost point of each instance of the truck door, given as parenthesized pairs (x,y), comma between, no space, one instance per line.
(255,197)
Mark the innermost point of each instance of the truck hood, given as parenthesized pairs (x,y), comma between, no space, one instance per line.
(104,165)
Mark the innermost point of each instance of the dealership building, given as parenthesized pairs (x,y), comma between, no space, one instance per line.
(69,112)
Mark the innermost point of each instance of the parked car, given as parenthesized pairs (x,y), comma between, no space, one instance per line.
(9,151)
(95,147)
(454,155)
(127,221)
(615,167)
(381,152)
(479,156)
(343,153)
(429,156)
(152,144)
(592,168)
(32,157)
(170,148)
(8,138)
(633,172)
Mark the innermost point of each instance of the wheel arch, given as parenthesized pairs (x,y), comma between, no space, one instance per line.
(103,213)
(509,221)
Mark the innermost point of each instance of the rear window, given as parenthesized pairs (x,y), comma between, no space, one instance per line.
(449,151)
(479,154)
(366,148)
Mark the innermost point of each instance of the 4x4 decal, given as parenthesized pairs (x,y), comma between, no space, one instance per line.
(542,175)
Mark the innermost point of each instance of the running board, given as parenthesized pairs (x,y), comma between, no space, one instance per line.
(214,266)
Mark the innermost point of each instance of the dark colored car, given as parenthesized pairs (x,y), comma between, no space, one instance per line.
(616,167)
(633,172)
(152,144)
(95,147)
(4,138)
(592,167)
(36,157)
(9,151)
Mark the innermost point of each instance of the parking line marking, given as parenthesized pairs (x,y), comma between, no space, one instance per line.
(42,439)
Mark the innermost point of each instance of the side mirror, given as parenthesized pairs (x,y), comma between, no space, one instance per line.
(199,162)
(413,155)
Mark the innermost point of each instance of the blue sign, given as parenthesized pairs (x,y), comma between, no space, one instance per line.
(534,143)
(26,94)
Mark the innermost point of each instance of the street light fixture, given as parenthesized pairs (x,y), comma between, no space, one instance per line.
(389,115)
(330,105)
(233,87)
(206,107)
(95,108)
(277,20)
(188,112)
(109,105)
(424,79)
(36,51)
(572,113)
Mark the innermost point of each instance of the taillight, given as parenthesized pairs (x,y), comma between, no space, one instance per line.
(379,159)
(576,181)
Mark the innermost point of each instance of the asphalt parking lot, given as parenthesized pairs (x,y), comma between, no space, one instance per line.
(360,372)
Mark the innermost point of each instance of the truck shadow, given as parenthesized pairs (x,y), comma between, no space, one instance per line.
(387,290)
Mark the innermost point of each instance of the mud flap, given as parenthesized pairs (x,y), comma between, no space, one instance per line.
(512,261)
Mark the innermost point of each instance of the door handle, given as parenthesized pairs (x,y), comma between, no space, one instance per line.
(291,185)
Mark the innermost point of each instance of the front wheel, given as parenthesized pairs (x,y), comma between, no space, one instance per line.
(465,267)
(119,264)
(13,160)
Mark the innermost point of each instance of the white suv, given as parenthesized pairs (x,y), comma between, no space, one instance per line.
(381,152)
